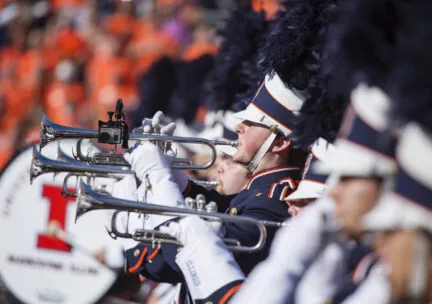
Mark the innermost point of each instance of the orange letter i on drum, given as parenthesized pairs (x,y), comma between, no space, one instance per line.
(57,212)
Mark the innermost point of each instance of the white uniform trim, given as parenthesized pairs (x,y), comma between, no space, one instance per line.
(284,96)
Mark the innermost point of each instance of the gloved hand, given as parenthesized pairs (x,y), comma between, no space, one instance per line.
(213,117)
(126,188)
(327,272)
(158,185)
(193,229)
(146,159)
(205,262)
(377,284)
(159,124)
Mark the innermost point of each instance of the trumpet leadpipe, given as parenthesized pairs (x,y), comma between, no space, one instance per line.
(207,184)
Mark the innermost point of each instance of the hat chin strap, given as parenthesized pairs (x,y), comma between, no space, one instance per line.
(253,164)
(417,285)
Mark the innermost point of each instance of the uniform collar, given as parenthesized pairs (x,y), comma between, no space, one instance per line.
(274,175)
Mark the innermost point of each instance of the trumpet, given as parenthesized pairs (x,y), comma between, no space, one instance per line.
(51,131)
(89,200)
(41,165)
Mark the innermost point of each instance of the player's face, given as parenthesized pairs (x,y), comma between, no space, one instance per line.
(232,177)
(296,206)
(251,137)
(354,196)
(397,250)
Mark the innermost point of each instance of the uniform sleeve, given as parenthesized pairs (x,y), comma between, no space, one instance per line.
(223,295)
(152,263)
(248,235)
(223,201)
(375,284)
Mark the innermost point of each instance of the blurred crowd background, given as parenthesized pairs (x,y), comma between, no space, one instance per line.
(73,59)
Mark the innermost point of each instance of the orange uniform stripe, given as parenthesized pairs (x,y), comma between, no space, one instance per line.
(138,264)
(284,193)
(229,293)
(188,187)
(151,256)
(272,189)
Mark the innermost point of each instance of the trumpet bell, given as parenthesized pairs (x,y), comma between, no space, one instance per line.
(36,167)
(41,165)
(51,131)
(83,206)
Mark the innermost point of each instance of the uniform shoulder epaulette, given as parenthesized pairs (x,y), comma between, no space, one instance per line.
(282,189)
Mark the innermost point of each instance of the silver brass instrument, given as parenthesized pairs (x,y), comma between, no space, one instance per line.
(113,159)
(89,200)
(51,131)
(41,165)
(211,184)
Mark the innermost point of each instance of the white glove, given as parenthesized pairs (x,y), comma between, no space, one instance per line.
(126,188)
(159,124)
(323,276)
(205,262)
(213,117)
(293,250)
(146,159)
(376,284)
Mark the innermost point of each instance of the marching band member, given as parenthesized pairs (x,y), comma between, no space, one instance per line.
(313,185)
(266,151)
(402,220)
(362,165)
(399,226)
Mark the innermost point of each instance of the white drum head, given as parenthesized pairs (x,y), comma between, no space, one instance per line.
(36,267)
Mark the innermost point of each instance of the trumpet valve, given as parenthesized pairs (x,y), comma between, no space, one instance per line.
(200,202)
(211,207)
(190,202)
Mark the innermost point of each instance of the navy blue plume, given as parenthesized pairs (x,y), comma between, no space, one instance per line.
(294,50)
(409,84)
(235,75)
(293,47)
(361,44)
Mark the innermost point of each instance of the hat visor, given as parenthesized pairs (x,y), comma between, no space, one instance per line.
(307,190)
(249,114)
(350,159)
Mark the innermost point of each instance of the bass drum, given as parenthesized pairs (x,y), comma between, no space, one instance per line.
(36,267)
